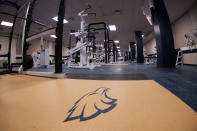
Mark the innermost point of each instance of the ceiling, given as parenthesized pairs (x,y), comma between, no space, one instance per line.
(129,20)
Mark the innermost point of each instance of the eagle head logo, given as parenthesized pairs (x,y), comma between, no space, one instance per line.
(91,105)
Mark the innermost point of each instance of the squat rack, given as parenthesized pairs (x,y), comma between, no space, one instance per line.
(106,32)
(114,50)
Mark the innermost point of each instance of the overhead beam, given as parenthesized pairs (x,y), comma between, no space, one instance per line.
(10,3)
(35,22)
(40,34)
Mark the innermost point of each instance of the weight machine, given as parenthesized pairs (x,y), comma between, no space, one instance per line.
(189,42)
(112,51)
(86,44)
(82,45)
(41,58)
(92,28)
(190,48)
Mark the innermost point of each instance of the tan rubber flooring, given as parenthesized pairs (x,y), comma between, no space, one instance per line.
(30,103)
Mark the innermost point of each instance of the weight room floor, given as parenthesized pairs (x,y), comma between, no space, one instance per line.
(181,81)
(30,103)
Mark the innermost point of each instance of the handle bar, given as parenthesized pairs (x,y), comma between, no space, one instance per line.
(92,14)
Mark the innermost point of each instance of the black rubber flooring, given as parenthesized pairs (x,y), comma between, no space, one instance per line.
(108,76)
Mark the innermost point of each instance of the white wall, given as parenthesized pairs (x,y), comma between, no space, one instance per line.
(4,41)
(52,48)
(149,48)
(184,25)
(35,47)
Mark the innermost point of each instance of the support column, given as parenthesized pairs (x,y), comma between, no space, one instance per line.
(163,34)
(126,56)
(105,46)
(108,48)
(58,40)
(114,52)
(139,43)
(133,52)
(69,43)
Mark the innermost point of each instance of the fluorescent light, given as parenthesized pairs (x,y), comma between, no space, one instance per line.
(112,27)
(116,41)
(142,36)
(6,23)
(53,36)
(118,47)
(56,19)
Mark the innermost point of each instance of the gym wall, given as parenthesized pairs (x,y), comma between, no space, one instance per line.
(35,47)
(186,24)
(150,47)
(4,41)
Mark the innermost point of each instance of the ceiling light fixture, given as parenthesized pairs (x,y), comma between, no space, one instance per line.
(112,27)
(116,41)
(53,36)
(118,47)
(142,36)
(56,19)
(5,23)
